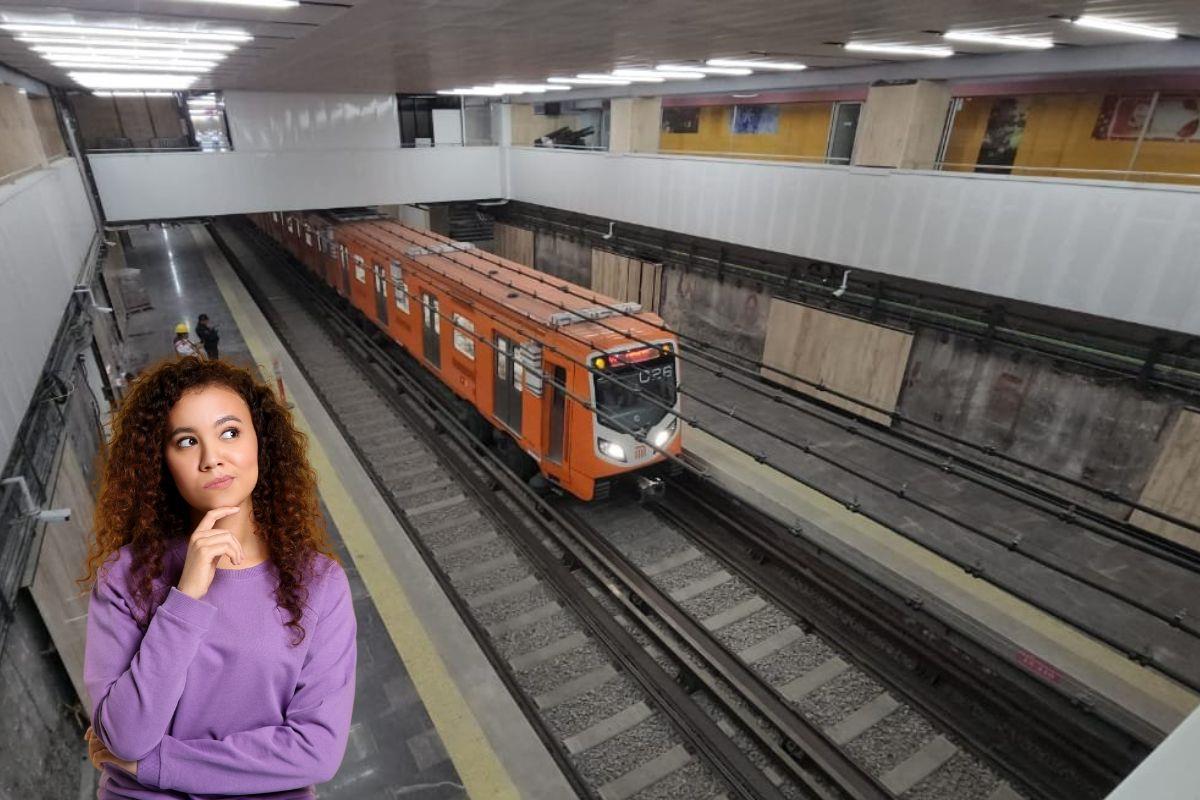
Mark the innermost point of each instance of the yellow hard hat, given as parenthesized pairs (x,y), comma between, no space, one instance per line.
(181,328)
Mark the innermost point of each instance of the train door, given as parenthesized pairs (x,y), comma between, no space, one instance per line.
(345,272)
(508,380)
(556,411)
(431,328)
(381,301)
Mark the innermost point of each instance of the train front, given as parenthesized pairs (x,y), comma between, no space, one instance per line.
(635,391)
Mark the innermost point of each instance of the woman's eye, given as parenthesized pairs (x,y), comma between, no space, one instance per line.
(186,441)
(234,431)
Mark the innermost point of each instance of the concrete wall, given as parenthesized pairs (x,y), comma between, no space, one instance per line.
(1123,251)
(729,313)
(46,234)
(137,186)
(563,256)
(1095,428)
(42,723)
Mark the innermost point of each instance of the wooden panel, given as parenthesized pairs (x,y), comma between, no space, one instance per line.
(1174,485)
(513,243)
(165,117)
(97,118)
(46,120)
(63,551)
(135,120)
(856,358)
(625,278)
(20,145)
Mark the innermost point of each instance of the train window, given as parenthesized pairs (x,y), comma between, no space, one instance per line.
(360,270)
(401,287)
(464,342)
(431,330)
(620,404)
(307,239)
(275,216)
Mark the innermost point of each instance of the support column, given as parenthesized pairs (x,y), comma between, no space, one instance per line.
(634,124)
(902,124)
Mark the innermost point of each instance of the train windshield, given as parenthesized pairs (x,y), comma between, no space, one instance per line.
(631,397)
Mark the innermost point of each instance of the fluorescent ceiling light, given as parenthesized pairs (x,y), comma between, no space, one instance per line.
(130,33)
(658,73)
(926,51)
(166,66)
(706,70)
(482,91)
(598,80)
(133,94)
(223,47)
(1116,26)
(125,53)
(258,3)
(747,63)
(1027,42)
(596,76)
(117,80)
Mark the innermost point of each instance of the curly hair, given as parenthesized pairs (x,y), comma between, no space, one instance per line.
(139,505)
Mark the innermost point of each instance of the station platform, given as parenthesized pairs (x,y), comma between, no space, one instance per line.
(1149,703)
(431,717)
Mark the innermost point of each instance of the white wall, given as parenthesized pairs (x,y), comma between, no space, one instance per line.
(46,233)
(1126,251)
(136,186)
(281,121)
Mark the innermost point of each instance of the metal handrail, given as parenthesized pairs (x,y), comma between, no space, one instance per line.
(1046,171)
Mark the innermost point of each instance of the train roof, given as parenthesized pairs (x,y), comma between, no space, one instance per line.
(581,313)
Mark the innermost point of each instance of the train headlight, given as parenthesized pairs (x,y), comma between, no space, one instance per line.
(661,437)
(611,449)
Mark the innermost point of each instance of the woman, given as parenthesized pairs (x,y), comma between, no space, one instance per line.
(221,633)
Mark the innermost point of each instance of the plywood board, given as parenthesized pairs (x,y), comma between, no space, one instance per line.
(46,120)
(625,278)
(20,145)
(63,550)
(166,117)
(135,120)
(513,243)
(859,359)
(1174,485)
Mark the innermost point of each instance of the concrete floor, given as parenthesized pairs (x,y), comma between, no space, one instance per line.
(394,749)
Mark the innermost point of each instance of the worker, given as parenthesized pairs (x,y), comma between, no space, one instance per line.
(208,336)
(183,345)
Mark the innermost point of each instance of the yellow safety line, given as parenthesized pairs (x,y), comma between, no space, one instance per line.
(482,773)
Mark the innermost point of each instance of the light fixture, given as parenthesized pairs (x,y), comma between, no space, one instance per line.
(164,66)
(133,94)
(117,80)
(592,76)
(1117,26)
(130,33)
(472,92)
(202,102)
(223,47)
(1026,42)
(598,80)
(706,70)
(29,506)
(256,3)
(926,51)
(124,53)
(682,75)
(748,63)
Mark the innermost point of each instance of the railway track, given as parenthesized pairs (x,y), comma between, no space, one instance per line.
(651,665)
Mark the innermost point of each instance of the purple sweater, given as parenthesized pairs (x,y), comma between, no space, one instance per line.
(211,699)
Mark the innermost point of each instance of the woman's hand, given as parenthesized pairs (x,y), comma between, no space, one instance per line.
(205,548)
(98,754)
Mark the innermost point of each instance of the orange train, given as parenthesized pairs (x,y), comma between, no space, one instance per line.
(441,299)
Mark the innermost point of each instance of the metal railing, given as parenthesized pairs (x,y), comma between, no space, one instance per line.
(1084,173)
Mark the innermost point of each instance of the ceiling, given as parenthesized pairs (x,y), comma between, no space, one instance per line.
(423,45)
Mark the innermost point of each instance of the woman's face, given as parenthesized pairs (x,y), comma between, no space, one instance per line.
(211,448)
